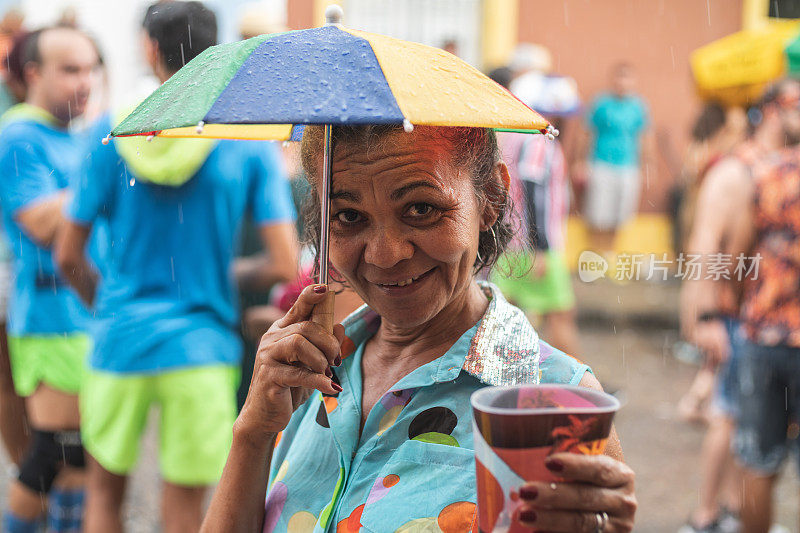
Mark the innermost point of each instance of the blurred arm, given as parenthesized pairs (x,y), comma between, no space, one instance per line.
(41,220)
(70,254)
(721,218)
(580,156)
(261,272)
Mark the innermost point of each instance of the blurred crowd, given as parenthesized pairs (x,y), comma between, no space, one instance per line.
(743,200)
(735,214)
(117,267)
(143,274)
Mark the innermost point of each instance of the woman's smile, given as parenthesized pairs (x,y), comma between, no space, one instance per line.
(403,285)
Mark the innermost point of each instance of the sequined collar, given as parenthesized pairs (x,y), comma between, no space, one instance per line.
(504,349)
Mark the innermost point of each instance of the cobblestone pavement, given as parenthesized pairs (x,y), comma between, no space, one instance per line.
(627,334)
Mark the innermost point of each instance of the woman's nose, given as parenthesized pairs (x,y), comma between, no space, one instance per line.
(387,246)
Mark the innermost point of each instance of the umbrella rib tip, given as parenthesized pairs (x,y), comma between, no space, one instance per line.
(106,139)
(333,14)
(408,127)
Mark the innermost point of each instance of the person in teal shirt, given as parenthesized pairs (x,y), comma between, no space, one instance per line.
(618,122)
(48,344)
(368,428)
(614,157)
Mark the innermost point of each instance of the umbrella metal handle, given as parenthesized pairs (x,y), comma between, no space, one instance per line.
(323,312)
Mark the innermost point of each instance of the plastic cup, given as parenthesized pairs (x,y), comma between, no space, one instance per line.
(517,428)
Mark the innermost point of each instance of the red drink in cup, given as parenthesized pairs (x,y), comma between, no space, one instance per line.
(517,428)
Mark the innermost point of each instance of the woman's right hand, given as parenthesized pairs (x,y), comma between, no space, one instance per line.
(294,357)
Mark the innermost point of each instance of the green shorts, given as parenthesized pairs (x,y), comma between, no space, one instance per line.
(58,361)
(197,408)
(552,292)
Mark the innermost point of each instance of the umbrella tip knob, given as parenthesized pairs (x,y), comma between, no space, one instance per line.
(408,127)
(333,14)
(199,128)
(106,139)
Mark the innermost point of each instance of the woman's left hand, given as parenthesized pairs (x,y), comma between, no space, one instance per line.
(593,485)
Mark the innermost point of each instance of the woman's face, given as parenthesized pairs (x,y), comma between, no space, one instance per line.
(404,225)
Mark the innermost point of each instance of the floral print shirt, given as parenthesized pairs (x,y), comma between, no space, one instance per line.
(771,307)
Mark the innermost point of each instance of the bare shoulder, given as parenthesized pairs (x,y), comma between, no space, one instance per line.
(729,176)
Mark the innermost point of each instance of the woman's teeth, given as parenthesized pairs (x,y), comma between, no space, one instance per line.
(403,283)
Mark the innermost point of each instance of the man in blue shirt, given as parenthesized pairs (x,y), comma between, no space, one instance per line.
(610,159)
(166,314)
(47,345)
(13,420)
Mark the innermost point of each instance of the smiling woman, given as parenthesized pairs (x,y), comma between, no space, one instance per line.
(473,150)
(387,443)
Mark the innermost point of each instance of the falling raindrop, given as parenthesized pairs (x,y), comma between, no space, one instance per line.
(132,182)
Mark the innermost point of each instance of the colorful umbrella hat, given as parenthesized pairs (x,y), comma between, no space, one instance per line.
(328,75)
(269,86)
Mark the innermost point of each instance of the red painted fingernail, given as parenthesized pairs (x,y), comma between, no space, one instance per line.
(328,372)
(321,289)
(528,515)
(336,387)
(337,361)
(528,493)
(554,465)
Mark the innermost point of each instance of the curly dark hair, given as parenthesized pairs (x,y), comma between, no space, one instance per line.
(473,149)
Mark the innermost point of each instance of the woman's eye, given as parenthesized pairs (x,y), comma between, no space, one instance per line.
(420,209)
(348,216)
